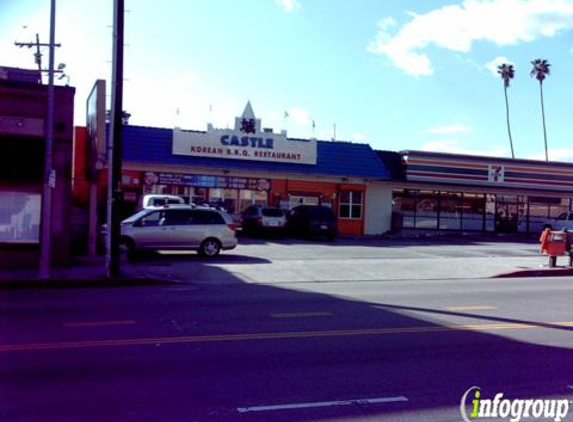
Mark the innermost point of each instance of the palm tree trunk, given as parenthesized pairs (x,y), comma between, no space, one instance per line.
(543,117)
(507,118)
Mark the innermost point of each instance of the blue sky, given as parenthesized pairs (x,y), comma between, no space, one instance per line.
(397,74)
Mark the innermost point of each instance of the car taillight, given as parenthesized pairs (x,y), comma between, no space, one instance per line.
(259,221)
(234,226)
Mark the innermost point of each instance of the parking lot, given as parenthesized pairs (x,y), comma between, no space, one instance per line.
(275,260)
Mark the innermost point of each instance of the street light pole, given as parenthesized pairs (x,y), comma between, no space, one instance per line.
(49,173)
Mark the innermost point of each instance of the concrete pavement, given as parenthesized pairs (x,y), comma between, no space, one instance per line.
(279,261)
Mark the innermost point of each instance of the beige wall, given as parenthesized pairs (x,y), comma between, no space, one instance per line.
(378,210)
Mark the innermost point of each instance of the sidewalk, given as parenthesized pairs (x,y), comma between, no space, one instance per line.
(91,271)
(83,271)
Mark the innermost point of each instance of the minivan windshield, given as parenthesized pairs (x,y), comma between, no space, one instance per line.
(135,216)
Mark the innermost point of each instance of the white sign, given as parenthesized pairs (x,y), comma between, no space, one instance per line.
(496,174)
(261,146)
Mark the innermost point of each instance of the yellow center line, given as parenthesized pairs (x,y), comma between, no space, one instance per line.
(301,314)
(471,308)
(97,323)
(278,335)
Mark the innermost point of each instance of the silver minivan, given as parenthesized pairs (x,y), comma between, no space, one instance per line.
(179,227)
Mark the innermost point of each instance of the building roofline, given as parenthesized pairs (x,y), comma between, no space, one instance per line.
(470,157)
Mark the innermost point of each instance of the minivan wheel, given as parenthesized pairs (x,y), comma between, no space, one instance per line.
(210,248)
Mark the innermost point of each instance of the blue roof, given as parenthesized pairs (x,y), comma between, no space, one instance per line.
(153,145)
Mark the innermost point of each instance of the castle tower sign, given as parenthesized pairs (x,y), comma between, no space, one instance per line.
(245,142)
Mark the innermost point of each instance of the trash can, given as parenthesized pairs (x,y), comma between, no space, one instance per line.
(553,243)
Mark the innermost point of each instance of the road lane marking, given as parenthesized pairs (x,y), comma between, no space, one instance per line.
(301,314)
(471,308)
(279,336)
(97,323)
(351,402)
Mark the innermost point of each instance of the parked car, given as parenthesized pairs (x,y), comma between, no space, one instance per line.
(155,201)
(312,220)
(179,227)
(258,218)
(564,221)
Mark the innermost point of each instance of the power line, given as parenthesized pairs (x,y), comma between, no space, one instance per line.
(38,54)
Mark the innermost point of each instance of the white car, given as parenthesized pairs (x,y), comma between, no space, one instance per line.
(563,222)
(155,201)
(179,227)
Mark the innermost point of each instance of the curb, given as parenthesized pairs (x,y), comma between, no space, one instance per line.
(542,272)
(34,283)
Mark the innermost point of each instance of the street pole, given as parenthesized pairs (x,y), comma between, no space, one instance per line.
(49,173)
(114,194)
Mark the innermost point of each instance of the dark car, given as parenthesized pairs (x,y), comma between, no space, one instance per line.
(258,218)
(312,220)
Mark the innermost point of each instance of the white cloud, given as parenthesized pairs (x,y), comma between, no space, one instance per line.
(449,129)
(453,146)
(492,66)
(289,5)
(299,116)
(457,27)
(357,137)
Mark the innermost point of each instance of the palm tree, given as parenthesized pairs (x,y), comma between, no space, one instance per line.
(540,71)
(507,73)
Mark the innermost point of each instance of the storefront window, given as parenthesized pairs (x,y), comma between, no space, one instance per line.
(225,198)
(350,204)
(473,211)
(427,210)
(405,203)
(303,200)
(542,209)
(450,210)
(20,217)
(251,197)
(490,213)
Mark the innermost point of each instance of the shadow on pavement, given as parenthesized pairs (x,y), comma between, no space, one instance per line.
(375,241)
(232,352)
(167,258)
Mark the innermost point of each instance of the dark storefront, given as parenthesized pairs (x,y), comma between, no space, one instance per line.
(468,193)
(22,119)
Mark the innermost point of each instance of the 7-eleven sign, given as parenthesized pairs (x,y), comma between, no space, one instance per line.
(496,174)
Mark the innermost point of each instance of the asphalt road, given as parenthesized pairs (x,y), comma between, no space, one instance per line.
(354,351)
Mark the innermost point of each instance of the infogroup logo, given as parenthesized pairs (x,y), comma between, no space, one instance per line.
(512,409)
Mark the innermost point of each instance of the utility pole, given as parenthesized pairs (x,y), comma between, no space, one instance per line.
(49,173)
(38,53)
(114,193)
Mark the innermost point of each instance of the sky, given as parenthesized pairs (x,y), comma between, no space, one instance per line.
(396,74)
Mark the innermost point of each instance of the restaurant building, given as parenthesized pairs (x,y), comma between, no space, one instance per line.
(249,164)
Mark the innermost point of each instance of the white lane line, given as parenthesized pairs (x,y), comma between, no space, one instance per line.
(471,308)
(290,406)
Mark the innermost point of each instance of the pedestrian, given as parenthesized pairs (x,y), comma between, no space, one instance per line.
(544,240)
